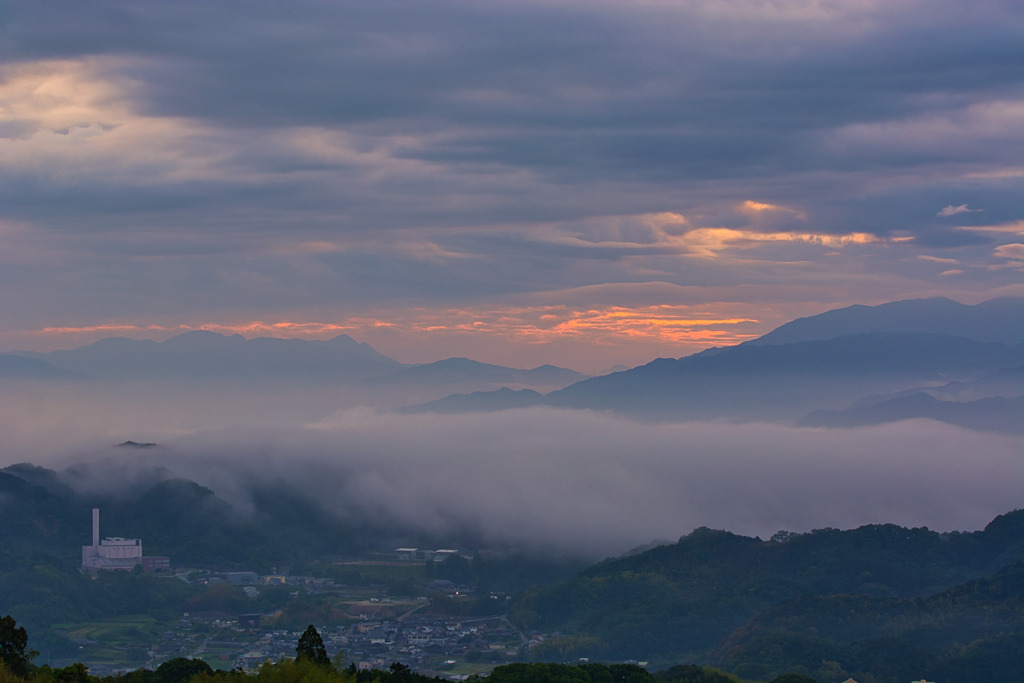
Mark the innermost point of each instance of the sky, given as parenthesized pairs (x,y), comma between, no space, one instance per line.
(584,183)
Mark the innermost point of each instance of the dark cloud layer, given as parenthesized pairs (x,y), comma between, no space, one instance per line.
(571,92)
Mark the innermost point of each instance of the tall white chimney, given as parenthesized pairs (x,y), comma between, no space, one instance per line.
(95,527)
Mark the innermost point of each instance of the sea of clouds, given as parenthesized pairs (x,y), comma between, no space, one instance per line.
(551,479)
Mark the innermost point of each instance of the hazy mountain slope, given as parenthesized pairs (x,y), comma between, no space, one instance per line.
(455,377)
(208,355)
(308,379)
(480,402)
(13,366)
(1006,383)
(996,320)
(459,370)
(823,362)
(785,382)
(995,414)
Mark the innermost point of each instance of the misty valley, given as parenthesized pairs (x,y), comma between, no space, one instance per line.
(838,499)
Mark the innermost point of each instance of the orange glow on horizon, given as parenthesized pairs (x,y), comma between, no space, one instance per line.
(534,325)
(100,328)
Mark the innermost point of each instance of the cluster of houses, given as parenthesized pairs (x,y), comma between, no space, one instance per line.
(430,642)
(426,643)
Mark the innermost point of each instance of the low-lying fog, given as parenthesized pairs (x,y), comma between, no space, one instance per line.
(546,478)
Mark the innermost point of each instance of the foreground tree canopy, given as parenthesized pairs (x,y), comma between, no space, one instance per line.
(181,670)
(311,665)
(14,652)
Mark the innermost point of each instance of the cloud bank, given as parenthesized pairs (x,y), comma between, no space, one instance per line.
(577,481)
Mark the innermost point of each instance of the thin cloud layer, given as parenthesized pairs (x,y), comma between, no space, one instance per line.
(187,164)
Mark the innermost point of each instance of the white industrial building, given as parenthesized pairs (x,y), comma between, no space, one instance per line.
(115,552)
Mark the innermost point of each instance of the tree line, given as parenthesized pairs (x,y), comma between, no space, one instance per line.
(312,665)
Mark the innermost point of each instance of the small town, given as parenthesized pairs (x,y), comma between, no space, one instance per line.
(428,644)
(383,630)
(375,629)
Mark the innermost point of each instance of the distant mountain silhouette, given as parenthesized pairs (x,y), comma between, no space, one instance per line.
(368,377)
(209,355)
(784,382)
(997,320)
(825,362)
(841,360)
(1007,382)
(423,384)
(14,366)
(462,370)
(480,402)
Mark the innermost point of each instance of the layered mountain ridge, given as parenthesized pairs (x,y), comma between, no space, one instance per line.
(853,366)
(809,371)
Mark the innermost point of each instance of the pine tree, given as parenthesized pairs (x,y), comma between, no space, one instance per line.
(311,648)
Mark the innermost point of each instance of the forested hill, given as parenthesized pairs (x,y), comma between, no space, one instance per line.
(881,599)
(972,632)
(685,601)
(877,558)
(178,518)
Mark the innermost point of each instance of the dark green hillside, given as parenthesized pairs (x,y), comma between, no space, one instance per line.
(942,636)
(36,520)
(45,523)
(189,523)
(682,600)
(43,590)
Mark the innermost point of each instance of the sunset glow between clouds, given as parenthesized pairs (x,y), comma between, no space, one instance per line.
(710,242)
(615,327)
